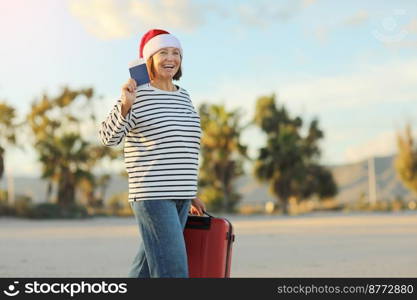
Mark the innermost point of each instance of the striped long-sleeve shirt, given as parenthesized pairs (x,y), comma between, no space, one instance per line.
(162,142)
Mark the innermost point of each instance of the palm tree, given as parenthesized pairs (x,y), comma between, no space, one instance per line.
(64,160)
(288,162)
(7,131)
(406,160)
(103,183)
(67,158)
(222,154)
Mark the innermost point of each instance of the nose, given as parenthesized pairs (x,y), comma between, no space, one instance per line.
(170,58)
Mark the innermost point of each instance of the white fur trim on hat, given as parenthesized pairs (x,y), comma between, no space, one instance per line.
(158,42)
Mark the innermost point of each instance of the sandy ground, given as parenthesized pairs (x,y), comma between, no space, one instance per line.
(317,245)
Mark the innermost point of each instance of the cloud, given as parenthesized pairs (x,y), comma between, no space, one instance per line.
(105,19)
(322,32)
(411,27)
(307,3)
(357,19)
(353,97)
(365,86)
(403,44)
(343,104)
(368,85)
(382,145)
(112,19)
(177,14)
(265,13)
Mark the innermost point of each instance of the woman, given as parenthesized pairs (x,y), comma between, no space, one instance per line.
(162,143)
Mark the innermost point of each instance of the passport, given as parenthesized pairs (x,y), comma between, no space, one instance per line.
(138,71)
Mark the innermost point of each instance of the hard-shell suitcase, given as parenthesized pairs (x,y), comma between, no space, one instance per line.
(209,243)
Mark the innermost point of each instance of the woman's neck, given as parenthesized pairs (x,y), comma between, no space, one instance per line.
(165,85)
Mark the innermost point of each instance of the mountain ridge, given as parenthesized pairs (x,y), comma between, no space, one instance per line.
(352,179)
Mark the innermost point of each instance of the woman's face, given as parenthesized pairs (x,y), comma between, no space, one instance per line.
(166,62)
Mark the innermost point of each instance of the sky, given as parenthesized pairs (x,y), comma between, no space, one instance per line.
(351,64)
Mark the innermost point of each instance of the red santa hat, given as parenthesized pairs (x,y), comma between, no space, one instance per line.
(156,39)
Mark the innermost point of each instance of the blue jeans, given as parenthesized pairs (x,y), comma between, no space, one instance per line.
(162,251)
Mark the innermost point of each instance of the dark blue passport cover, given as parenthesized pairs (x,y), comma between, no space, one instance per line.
(140,74)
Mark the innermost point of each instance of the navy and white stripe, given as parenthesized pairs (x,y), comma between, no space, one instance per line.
(162,142)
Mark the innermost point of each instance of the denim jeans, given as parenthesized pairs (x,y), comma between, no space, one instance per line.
(162,250)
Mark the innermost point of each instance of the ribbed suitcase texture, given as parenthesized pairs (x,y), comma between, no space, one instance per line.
(209,243)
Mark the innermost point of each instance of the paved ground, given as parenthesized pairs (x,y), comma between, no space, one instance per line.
(319,245)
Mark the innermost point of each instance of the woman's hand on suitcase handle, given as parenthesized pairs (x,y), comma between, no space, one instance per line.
(197,207)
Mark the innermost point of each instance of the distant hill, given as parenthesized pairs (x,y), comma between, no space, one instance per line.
(352,180)
(37,188)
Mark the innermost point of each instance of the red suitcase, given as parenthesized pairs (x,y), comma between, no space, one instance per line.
(209,246)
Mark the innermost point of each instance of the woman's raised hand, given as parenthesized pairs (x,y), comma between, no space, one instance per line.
(128,95)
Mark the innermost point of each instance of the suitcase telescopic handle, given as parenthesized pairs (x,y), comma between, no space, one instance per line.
(205,212)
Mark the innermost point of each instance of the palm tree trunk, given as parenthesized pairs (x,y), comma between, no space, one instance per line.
(285,206)
(49,191)
(1,162)
(225,198)
(66,188)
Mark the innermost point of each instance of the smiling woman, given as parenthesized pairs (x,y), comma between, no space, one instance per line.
(166,63)
(162,143)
